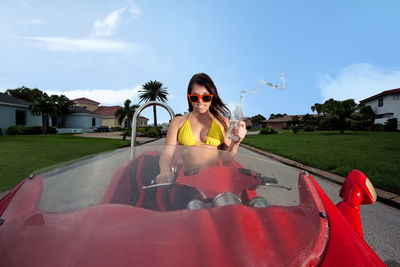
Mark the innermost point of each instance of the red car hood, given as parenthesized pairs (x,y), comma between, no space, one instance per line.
(122,235)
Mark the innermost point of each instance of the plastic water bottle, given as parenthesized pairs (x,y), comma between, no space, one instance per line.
(234,120)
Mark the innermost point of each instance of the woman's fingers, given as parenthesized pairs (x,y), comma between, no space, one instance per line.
(164,178)
(240,130)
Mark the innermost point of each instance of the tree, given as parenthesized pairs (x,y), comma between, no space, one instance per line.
(296,120)
(258,119)
(309,120)
(62,105)
(126,112)
(153,91)
(44,106)
(317,107)
(295,124)
(338,111)
(25,93)
(275,116)
(366,112)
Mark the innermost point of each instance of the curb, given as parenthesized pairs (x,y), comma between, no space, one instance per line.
(386,197)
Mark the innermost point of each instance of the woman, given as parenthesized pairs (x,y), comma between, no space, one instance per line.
(205,126)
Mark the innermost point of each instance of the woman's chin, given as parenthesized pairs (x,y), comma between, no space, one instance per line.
(201,109)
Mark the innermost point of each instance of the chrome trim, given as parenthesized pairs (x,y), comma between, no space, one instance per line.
(226,198)
(137,112)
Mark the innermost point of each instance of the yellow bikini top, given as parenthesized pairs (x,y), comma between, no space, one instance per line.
(215,135)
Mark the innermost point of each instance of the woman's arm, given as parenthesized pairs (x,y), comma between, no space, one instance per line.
(165,175)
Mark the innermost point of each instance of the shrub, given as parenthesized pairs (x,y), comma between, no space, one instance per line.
(29,130)
(152,132)
(141,130)
(14,130)
(33,130)
(268,130)
(391,125)
(294,128)
(378,127)
(127,131)
(356,125)
(309,128)
(116,129)
(51,130)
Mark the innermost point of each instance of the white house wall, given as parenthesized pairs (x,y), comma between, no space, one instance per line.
(83,121)
(389,106)
(7,117)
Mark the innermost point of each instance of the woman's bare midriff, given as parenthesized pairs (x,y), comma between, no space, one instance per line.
(197,156)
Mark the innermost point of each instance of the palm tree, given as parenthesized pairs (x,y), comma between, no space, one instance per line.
(153,91)
(44,106)
(62,104)
(317,107)
(126,112)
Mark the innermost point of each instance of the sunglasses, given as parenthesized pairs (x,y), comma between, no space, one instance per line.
(195,98)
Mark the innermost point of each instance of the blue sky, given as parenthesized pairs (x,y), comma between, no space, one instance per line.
(105,50)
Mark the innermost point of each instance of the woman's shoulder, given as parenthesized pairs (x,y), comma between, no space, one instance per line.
(178,121)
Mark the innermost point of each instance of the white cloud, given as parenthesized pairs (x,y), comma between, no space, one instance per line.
(86,45)
(107,27)
(104,96)
(28,22)
(94,43)
(358,81)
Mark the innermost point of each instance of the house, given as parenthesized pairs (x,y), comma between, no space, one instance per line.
(86,103)
(15,111)
(386,105)
(82,119)
(142,121)
(109,119)
(284,122)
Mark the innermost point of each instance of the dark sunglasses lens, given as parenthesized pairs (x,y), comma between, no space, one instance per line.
(206,98)
(194,98)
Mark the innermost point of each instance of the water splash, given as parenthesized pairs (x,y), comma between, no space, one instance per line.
(267,84)
(237,114)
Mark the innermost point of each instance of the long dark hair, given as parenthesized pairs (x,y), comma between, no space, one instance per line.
(218,109)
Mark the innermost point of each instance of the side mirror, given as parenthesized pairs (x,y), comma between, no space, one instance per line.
(356,190)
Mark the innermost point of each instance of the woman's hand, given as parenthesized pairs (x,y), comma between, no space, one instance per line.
(165,177)
(239,130)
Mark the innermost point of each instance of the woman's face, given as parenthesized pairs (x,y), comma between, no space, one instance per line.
(200,106)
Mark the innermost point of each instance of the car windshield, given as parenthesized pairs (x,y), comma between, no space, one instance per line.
(200,177)
(248,206)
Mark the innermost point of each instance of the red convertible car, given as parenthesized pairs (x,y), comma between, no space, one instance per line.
(218,209)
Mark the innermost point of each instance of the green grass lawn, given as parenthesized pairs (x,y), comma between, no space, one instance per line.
(377,154)
(21,155)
